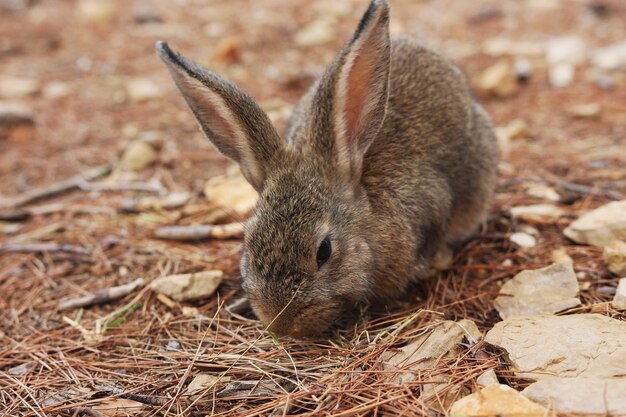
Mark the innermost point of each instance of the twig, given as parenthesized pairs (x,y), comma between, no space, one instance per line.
(121,186)
(102,296)
(57,188)
(43,247)
(197,232)
(142,398)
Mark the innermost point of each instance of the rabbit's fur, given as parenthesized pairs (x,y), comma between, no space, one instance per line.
(388,156)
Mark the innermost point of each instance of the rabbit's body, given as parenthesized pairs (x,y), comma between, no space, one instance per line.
(429,174)
(387,160)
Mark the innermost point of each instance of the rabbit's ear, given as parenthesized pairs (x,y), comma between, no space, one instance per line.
(227,116)
(356,87)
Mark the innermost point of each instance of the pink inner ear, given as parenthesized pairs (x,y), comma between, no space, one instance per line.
(213,118)
(358,87)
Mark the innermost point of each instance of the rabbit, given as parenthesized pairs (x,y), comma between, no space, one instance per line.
(386,162)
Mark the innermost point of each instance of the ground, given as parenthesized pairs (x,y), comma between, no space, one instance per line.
(151,351)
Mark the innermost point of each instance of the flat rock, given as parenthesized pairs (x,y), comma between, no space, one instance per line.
(615,257)
(137,156)
(601,226)
(497,400)
(188,287)
(427,349)
(545,192)
(231,192)
(579,345)
(540,291)
(523,240)
(537,212)
(619,301)
(612,57)
(580,396)
(17,87)
(499,80)
(487,378)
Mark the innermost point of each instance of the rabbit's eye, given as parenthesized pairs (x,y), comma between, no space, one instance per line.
(324,252)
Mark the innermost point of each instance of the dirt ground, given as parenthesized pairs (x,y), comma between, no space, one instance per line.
(153,351)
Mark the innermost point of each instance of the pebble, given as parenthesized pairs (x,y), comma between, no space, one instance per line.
(561,75)
(523,240)
(612,57)
(56,89)
(137,156)
(537,212)
(544,192)
(566,50)
(615,257)
(317,32)
(523,70)
(17,121)
(96,11)
(585,111)
(146,13)
(17,87)
(504,46)
(619,301)
(499,80)
(143,89)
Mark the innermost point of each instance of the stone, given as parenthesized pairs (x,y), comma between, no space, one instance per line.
(498,80)
(544,192)
(601,226)
(143,89)
(561,75)
(523,240)
(231,192)
(188,287)
(497,400)
(540,291)
(96,11)
(487,378)
(137,156)
(612,57)
(585,111)
(55,90)
(318,32)
(523,70)
(566,50)
(615,257)
(580,396)
(18,87)
(425,351)
(17,121)
(619,300)
(505,46)
(505,134)
(560,256)
(578,345)
(537,212)
(145,13)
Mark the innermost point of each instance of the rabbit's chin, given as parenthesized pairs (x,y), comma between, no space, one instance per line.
(308,322)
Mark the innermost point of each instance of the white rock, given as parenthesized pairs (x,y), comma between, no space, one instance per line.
(497,400)
(318,32)
(580,396)
(619,301)
(56,89)
(487,378)
(537,212)
(544,192)
(601,226)
(96,11)
(540,291)
(615,257)
(16,87)
(560,256)
(585,111)
(232,192)
(14,112)
(612,57)
(499,80)
(523,240)
(188,287)
(561,75)
(504,46)
(566,50)
(142,89)
(137,156)
(578,345)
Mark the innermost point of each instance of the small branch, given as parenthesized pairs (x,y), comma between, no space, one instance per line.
(197,232)
(57,188)
(121,186)
(43,247)
(142,398)
(102,296)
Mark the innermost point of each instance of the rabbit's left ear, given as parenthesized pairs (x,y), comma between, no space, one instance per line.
(356,87)
(227,115)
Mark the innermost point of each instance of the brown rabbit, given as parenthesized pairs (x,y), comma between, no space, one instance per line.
(387,160)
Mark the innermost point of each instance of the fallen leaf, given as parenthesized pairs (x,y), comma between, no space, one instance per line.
(188,287)
(119,407)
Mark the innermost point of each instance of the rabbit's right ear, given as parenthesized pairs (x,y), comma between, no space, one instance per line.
(227,116)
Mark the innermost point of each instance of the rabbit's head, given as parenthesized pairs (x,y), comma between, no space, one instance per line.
(310,246)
